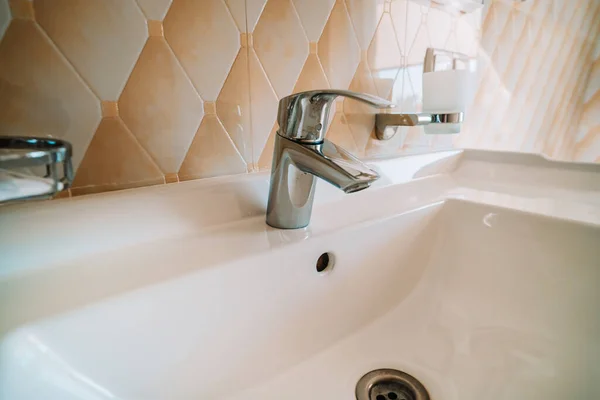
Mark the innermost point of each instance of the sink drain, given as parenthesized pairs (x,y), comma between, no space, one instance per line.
(390,384)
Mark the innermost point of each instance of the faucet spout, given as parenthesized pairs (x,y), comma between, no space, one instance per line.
(338,167)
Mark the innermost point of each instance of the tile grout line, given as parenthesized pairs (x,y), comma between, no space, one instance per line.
(187,77)
(64,58)
(87,85)
(595,30)
(565,86)
(519,82)
(241,47)
(307,44)
(495,52)
(146,152)
(227,77)
(249,42)
(401,48)
(540,140)
(78,76)
(137,3)
(135,138)
(300,22)
(231,141)
(250,50)
(535,141)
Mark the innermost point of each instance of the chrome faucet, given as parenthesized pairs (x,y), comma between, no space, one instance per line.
(300,143)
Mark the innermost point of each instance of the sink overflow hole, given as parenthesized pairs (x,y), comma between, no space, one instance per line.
(325,263)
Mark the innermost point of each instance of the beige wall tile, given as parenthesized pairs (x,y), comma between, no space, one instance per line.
(417,41)
(313,14)
(439,26)
(467,35)
(22,9)
(312,76)
(360,117)
(385,56)
(238,12)
(210,108)
(588,149)
(537,65)
(593,83)
(281,45)
(535,58)
(160,106)
(171,178)
(263,105)
(41,94)
(115,160)
(365,16)
(266,157)
(233,106)
(155,9)
(212,153)
(338,49)
(4,17)
(110,109)
(402,24)
(205,39)
(102,39)
(254,9)
(155,28)
(591,113)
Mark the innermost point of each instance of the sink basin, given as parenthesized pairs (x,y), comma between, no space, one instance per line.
(476,300)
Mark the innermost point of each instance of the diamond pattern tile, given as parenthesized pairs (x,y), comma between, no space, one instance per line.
(385,56)
(22,9)
(417,41)
(160,105)
(360,117)
(263,106)
(253,10)
(281,45)
(365,16)
(314,15)
(115,160)
(154,9)
(189,89)
(266,157)
(466,36)
(338,49)
(233,106)
(312,76)
(238,12)
(212,153)
(102,39)
(548,80)
(439,26)
(34,79)
(205,39)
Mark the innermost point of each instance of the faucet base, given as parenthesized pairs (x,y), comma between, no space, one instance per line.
(291,191)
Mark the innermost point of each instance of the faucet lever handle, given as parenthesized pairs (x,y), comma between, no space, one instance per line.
(303,116)
(332,94)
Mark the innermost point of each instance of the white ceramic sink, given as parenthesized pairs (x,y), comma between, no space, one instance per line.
(477,292)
